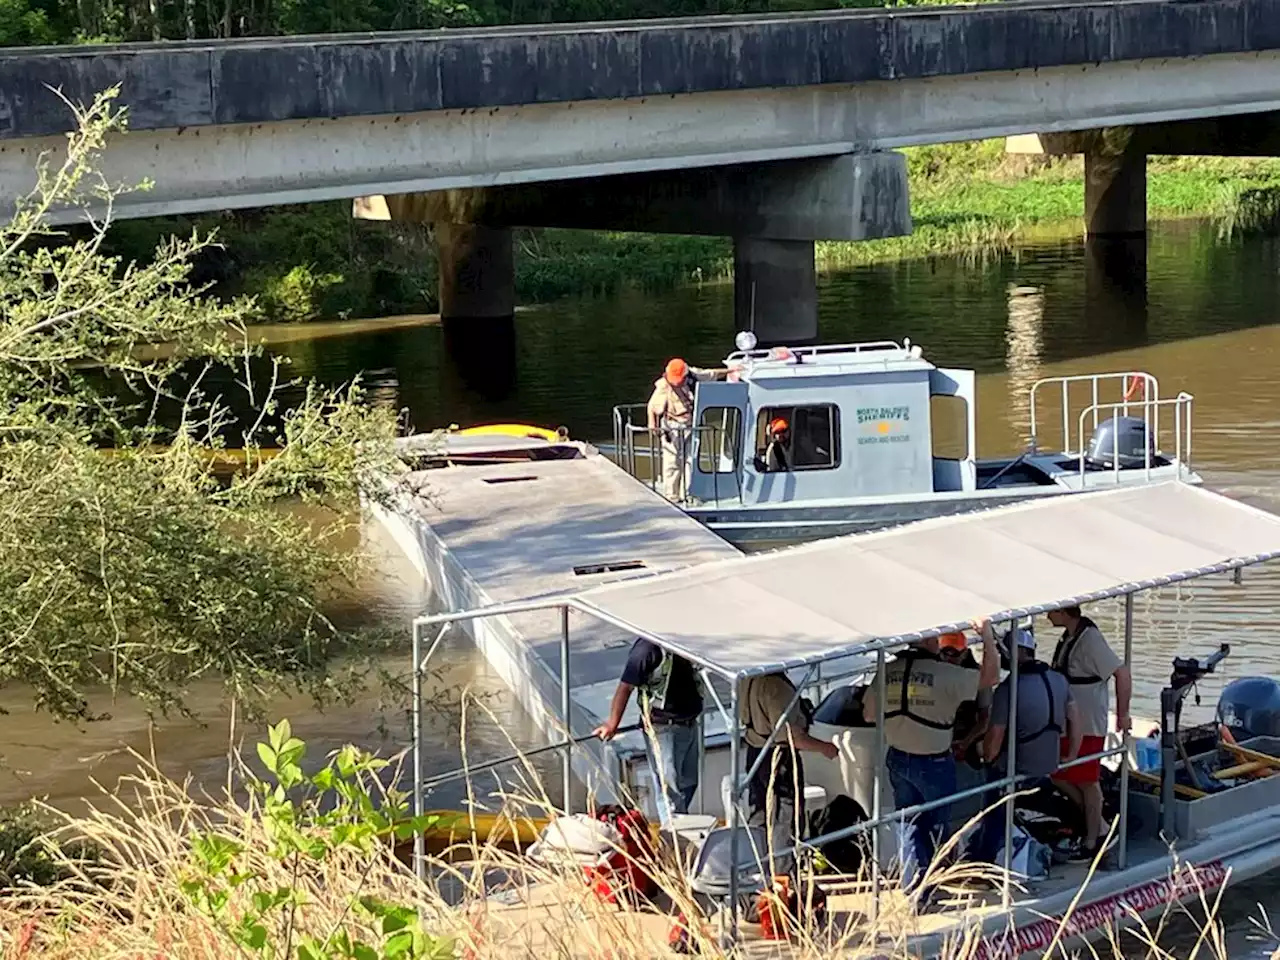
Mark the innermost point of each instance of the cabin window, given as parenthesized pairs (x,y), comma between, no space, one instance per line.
(949,419)
(720,440)
(812,441)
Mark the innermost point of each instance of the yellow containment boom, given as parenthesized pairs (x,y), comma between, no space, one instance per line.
(558,435)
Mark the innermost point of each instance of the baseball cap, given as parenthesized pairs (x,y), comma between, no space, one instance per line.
(1025,638)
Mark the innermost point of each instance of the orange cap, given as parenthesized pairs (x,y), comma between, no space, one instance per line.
(777,425)
(955,641)
(677,370)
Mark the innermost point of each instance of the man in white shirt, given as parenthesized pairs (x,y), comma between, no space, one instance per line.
(1089,663)
(671,418)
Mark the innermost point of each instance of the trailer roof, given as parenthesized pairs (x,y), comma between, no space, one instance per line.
(859,593)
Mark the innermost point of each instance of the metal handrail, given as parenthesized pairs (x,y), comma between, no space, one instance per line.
(1151,421)
(625,431)
(819,350)
(1150,394)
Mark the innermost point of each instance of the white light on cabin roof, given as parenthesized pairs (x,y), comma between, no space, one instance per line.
(745,340)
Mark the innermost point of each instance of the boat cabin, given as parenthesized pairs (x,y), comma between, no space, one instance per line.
(858,423)
(805,442)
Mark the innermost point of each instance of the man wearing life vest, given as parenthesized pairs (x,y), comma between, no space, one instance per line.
(670,704)
(924,692)
(671,419)
(1047,717)
(1085,659)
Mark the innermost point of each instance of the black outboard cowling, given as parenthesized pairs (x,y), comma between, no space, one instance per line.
(1250,707)
(1122,439)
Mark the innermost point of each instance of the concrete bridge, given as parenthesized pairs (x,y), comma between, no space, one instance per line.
(775,130)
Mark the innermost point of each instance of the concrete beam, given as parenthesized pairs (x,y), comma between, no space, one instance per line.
(854,197)
(1255,135)
(209,83)
(250,165)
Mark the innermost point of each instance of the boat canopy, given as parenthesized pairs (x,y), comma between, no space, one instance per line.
(856,594)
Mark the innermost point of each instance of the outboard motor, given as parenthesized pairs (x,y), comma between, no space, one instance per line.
(1122,439)
(1250,707)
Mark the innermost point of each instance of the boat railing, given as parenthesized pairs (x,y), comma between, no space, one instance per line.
(1151,419)
(1135,388)
(634,441)
(768,353)
(624,417)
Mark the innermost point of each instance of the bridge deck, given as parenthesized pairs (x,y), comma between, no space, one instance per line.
(191,84)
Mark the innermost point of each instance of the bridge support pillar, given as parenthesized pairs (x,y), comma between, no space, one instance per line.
(775,291)
(477,271)
(1115,192)
(478,304)
(1115,214)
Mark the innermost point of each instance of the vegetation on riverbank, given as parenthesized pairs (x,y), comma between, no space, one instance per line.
(127,564)
(314,261)
(301,864)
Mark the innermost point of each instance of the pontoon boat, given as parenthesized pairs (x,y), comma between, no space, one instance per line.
(827,611)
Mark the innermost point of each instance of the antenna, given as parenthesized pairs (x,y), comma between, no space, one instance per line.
(751,318)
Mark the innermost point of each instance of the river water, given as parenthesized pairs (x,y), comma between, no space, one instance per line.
(1209,324)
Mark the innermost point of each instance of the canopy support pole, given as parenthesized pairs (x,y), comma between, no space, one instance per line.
(419,664)
(1011,768)
(735,820)
(877,806)
(1126,738)
(419,841)
(702,763)
(706,681)
(566,707)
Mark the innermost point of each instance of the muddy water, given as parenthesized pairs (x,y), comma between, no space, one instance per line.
(1209,324)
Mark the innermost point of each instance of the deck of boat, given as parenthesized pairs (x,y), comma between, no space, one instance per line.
(545,917)
(511,531)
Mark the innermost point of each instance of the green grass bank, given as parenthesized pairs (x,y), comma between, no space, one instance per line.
(314,261)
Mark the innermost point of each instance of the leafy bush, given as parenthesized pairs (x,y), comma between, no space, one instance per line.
(26,859)
(307,819)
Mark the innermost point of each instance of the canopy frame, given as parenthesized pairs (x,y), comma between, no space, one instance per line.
(877,647)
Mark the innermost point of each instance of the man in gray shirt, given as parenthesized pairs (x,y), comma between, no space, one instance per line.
(1046,713)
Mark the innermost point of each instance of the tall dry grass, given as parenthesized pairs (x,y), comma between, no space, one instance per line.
(136,900)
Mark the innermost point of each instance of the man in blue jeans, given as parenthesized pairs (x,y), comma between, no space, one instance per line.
(671,702)
(1047,715)
(923,693)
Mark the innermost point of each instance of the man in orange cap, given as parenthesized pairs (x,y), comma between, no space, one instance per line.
(777,457)
(671,417)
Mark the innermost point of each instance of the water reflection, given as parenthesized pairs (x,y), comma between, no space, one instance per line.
(1025,347)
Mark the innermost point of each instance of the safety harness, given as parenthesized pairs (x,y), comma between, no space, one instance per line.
(683,393)
(653,692)
(1066,647)
(1041,670)
(904,701)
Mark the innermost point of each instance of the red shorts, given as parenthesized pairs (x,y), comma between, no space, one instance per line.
(1090,770)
